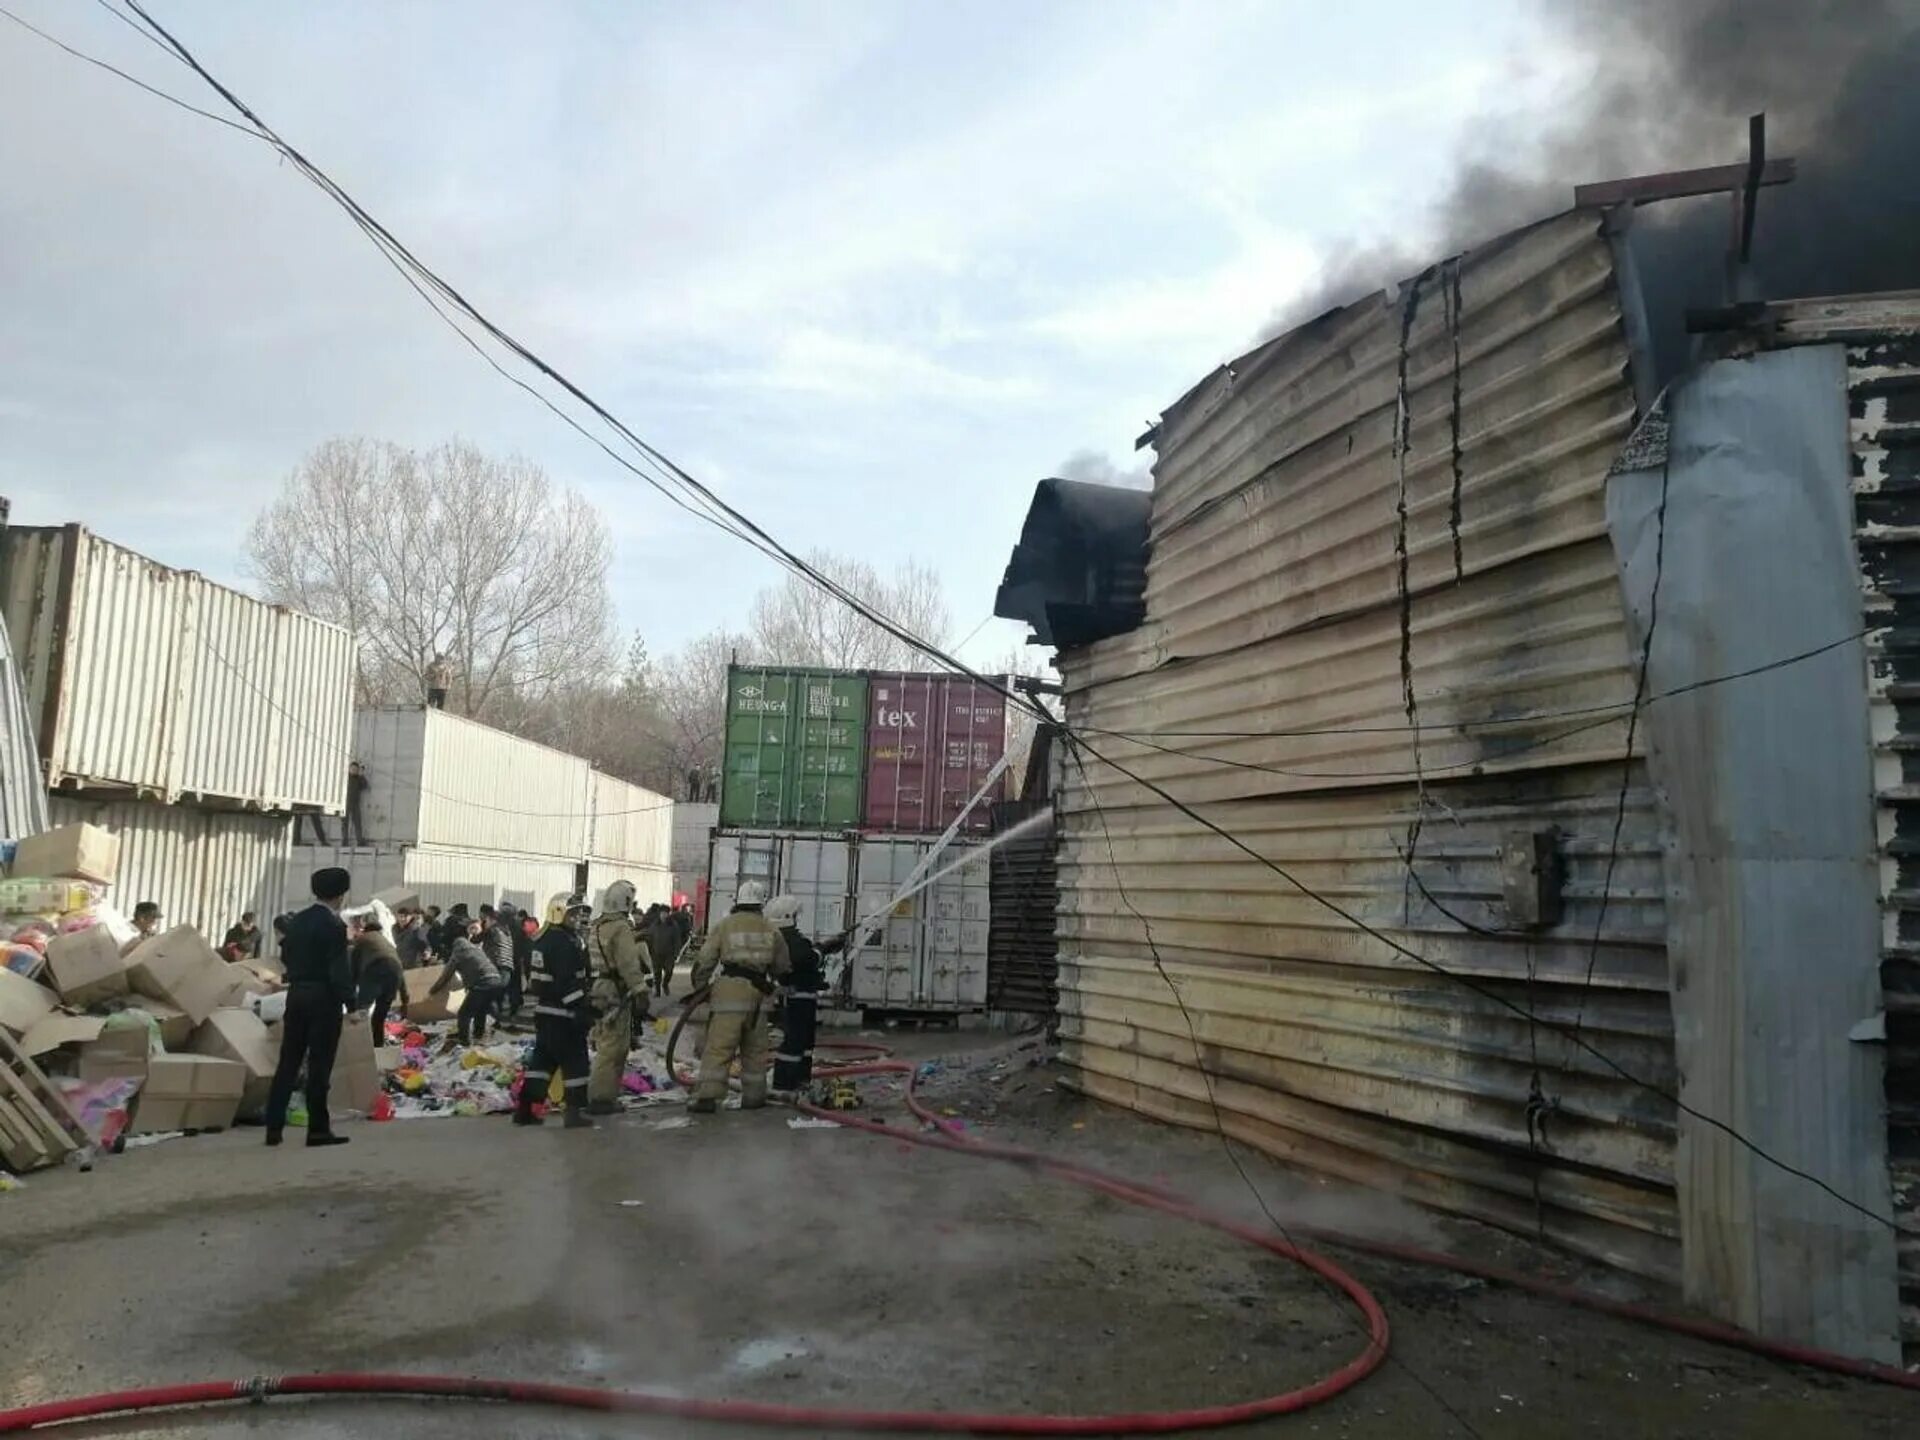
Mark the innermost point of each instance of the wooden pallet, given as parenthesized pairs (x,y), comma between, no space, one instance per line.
(37,1127)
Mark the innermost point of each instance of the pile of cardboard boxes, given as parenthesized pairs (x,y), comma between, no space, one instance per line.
(169,1013)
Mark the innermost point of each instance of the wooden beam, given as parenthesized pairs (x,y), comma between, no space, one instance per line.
(1678,184)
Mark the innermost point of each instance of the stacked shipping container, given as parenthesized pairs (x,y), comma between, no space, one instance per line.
(459,812)
(189,718)
(836,787)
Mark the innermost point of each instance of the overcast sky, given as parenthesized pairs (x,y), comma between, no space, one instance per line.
(870,270)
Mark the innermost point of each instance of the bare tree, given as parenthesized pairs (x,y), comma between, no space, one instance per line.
(795,623)
(445,552)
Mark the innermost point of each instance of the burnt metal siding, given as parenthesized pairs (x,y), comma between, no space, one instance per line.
(1487,399)
(1882,335)
(1022,949)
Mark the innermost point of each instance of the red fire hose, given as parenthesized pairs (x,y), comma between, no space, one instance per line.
(945,1137)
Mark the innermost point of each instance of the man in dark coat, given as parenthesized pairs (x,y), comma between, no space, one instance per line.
(319,993)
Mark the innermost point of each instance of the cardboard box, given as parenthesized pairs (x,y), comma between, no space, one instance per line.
(176,1026)
(180,968)
(189,1092)
(85,966)
(24,1003)
(59,1028)
(239,1035)
(121,1051)
(425,1007)
(83,852)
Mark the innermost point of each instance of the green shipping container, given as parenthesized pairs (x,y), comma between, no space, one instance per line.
(796,748)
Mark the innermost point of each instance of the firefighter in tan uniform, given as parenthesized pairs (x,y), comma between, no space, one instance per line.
(748,954)
(620,966)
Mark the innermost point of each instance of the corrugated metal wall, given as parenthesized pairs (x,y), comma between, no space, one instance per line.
(443,876)
(203,867)
(1023,960)
(1278,603)
(155,680)
(435,779)
(631,825)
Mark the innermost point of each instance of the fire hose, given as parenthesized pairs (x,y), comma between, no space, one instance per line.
(941,1135)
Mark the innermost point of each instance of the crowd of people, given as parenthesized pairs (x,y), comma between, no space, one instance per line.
(589,978)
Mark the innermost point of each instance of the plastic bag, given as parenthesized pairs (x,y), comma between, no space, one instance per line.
(100,1105)
(30,895)
(271,1008)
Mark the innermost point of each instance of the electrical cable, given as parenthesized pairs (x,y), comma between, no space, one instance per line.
(130,79)
(689,483)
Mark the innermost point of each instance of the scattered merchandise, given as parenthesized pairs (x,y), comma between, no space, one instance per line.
(102,1106)
(31,895)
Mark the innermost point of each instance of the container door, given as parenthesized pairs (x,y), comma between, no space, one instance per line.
(972,736)
(818,872)
(954,969)
(754,769)
(737,858)
(885,972)
(903,751)
(827,769)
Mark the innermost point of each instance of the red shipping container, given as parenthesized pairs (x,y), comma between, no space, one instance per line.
(931,739)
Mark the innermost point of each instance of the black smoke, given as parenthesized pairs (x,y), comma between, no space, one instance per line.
(1672,84)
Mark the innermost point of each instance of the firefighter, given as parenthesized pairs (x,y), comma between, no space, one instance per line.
(620,965)
(806,983)
(748,954)
(562,1012)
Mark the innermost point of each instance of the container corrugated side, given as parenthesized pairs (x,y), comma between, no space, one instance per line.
(434,779)
(795,748)
(631,824)
(693,827)
(441,875)
(651,885)
(202,867)
(932,741)
(930,949)
(155,681)
(816,869)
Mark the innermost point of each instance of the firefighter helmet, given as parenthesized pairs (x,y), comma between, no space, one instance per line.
(619,897)
(783,910)
(563,905)
(752,892)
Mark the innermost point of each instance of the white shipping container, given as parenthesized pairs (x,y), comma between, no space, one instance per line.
(815,869)
(651,885)
(157,682)
(442,875)
(204,868)
(437,781)
(631,825)
(693,827)
(930,950)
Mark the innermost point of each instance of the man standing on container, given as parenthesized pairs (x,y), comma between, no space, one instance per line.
(748,954)
(620,963)
(439,679)
(561,1015)
(353,829)
(319,992)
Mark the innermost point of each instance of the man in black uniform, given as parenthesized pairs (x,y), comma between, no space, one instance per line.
(319,992)
(562,1014)
(793,1061)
